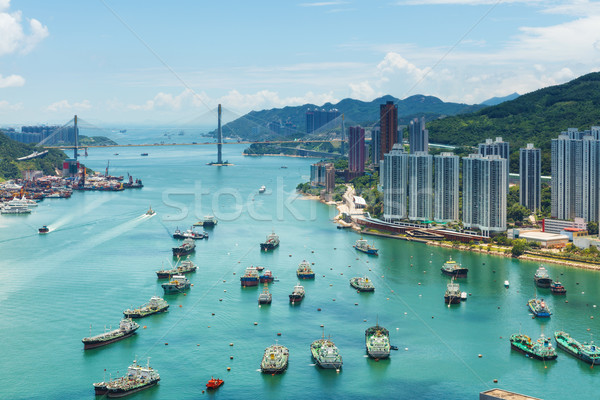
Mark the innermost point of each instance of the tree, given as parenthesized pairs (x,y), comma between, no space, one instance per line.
(517,212)
(592,227)
(519,247)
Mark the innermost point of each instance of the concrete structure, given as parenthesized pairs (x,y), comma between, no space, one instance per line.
(552,225)
(395,181)
(359,202)
(388,122)
(583,242)
(356,150)
(484,193)
(446,181)
(420,186)
(530,170)
(501,394)
(418,136)
(548,240)
(573,233)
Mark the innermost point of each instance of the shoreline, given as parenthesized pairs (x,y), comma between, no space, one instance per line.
(278,155)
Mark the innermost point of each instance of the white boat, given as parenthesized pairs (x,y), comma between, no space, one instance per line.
(506,284)
(463,296)
(15,208)
(262,189)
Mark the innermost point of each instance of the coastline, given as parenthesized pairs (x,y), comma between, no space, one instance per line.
(279,155)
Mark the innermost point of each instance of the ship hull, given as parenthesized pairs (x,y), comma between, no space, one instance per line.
(531,354)
(179,251)
(116,393)
(372,252)
(582,356)
(457,273)
(378,355)
(452,299)
(142,315)
(296,298)
(362,288)
(542,282)
(266,279)
(100,389)
(248,282)
(273,370)
(95,344)
(306,276)
(268,246)
(265,301)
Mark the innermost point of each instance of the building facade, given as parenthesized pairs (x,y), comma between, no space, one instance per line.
(420,186)
(356,149)
(318,117)
(530,169)
(418,136)
(394,170)
(375,145)
(446,180)
(497,147)
(388,123)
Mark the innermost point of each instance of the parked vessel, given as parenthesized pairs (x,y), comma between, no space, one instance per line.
(539,308)
(150,211)
(137,379)
(270,243)
(188,234)
(15,208)
(262,189)
(326,354)
(557,288)
(463,296)
(266,277)
(208,220)
(305,271)
(214,384)
(377,341)
(275,359)
(297,294)
(186,247)
(365,247)
(362,284)
(452,268)
(452,295)
(541,278)
(506,284)
(541,349)
(183,268)
(589,353)
(177,284)
(127,327)
(44,229)
(265,297)
(250,277)
(154,306)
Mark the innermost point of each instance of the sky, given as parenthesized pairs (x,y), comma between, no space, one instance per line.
(155,62)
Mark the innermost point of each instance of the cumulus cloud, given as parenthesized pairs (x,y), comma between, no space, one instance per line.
(363,91)
(6,106)
(13,37)
(65,105)
(322,4)
(11,81)
(461,2)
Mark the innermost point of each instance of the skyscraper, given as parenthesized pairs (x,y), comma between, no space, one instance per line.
(420,186)
(388,121)
(395,181)
(375,145)
(446,182)
(484,193)
(356,151)
(418,136)
(498,147)
(530,168)
(317,118)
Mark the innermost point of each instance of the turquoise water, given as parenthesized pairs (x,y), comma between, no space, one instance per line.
(101,254)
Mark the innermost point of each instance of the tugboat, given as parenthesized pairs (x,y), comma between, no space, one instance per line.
(186,248)
(265,297)
(275,359)
(44,229)
(214,384)
(541,349)
(305,271)
(539,308)
(365,247)
(297,294)
(589,353)
(325,354)
(189,234)
(452,295)
(271,242)
(208,221)
(377,341)
(541,278)
(150,211)
(453,269)
(362,284)
(266,277)
(178,284)
(154,306)
(557,288)
(127,327)
(184,268)
(137,379)
(250,277)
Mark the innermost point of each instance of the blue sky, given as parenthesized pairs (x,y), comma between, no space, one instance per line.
(135,62)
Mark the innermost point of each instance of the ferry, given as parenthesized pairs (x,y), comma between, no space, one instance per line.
(365,247)
(250,277)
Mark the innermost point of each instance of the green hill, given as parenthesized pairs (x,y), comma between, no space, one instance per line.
(536,117)
(10,150)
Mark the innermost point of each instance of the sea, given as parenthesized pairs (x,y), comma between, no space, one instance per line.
(102,252)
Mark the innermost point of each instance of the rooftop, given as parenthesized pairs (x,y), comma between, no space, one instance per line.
(542,236)
(506,395)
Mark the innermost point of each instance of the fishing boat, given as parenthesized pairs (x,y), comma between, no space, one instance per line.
(138,378)
(262,189)
(208,220)
(150,211)
(365,247)
(185,267)
(188,234)
(214,384)
(270,243)
(275,359)
(362,284)
(589,353)
(177,284)
(539,308)
(154,306)
(44,229)
(187,247)
(541,349)
(127,327)
(250,277)
(265,297)
(541,278)
(377,342)
(452,295)
(266,277)
(305,271)
(557,288)
(452,268)
(326,354)
(297,294)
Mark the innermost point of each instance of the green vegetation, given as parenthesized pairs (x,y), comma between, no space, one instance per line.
(366,187)
(95,141)
(306,188)
(10,150)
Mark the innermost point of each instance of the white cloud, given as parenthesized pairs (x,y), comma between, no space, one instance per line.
(6,106)
(64,105)
(322,4)
(11,81)
(461,2)
(394,62)
(363,91)
(13,38)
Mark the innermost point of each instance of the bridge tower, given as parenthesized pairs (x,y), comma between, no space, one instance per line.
(343,136)
(76,134)
(220,140)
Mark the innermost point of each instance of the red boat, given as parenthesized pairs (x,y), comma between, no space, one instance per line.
(214,383)
(44,229)
(557,288)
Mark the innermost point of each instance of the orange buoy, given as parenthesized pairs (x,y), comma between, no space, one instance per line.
(166,344)
(228,368)
(278,333)
(180,306)
(144,326)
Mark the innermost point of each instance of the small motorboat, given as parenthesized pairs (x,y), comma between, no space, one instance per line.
(44,229)
(463,296)
(506,284)
(214,383)
(150,211)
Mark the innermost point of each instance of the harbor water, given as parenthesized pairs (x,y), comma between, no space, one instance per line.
(102,252)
